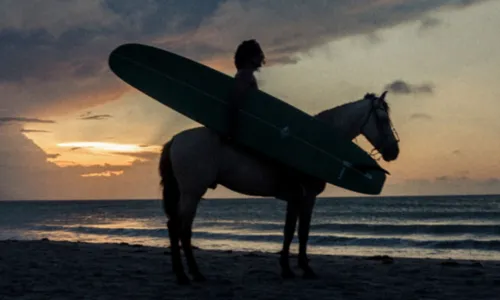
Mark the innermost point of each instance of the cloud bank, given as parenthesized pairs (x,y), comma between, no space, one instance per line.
(54,54)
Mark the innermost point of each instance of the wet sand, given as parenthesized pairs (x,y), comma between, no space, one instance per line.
(65,270)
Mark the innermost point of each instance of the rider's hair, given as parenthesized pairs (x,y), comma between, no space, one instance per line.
(245,51)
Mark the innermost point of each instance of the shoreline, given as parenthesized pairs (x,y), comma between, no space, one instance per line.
(44,269)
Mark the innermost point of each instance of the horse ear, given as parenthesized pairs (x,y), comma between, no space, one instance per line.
(382,97)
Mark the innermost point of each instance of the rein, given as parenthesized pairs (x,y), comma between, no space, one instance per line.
(374,109)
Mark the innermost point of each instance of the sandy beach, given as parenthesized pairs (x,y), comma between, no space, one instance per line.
(66,270)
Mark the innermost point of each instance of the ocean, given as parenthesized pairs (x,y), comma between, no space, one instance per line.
(457,227)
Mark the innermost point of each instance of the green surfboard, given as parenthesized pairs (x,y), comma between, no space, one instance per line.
(266,124)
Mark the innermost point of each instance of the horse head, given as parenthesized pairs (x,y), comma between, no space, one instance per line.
(377,127)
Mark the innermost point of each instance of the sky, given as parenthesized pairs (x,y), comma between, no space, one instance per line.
(71,129)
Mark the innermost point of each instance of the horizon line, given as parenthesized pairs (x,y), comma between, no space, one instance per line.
(255,198)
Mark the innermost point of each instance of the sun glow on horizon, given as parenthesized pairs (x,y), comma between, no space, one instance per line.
(102,153)
(104,174)
(113,147)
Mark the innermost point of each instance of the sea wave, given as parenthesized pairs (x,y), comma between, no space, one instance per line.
(314,239)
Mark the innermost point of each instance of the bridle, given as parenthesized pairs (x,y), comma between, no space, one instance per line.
(378,121)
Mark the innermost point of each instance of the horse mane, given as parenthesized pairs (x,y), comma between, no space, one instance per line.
(333,111)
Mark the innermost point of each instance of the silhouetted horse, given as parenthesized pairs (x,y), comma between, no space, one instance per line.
(197,159)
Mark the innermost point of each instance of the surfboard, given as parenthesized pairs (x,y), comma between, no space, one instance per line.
(267,124)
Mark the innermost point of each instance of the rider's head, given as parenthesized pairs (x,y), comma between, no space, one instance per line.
(249,55)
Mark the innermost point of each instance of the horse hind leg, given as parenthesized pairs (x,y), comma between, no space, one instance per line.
(187,213)
(174,225)
(170,200)
(195,172)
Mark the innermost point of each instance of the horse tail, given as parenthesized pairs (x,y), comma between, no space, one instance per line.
(170,193)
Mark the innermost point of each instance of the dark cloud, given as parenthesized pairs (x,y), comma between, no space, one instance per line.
(373,38)
(421,116)
(53,156)
(429,23)
(34,131)
(4,120)
(285,28)
(452,178)
(80,49)
(403,87)
(145,155)
(38,55)
(95,117)
(80,170)
(53,59)
(159,17)
(59,64)
(457,152)
(466,180)
(463,3)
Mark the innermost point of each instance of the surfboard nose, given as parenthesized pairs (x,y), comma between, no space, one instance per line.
(116,54)
(126,48)
(130,51)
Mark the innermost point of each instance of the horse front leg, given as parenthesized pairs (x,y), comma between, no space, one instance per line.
(304,228)
(173,226)
(289,230)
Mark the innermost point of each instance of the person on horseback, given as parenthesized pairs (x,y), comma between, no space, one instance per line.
(248,58)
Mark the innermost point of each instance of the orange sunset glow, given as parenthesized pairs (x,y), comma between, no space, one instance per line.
(100,146)
(67,123)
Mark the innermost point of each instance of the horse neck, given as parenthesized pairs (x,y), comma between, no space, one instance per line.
(346,119)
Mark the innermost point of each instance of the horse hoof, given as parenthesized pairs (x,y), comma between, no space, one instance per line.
(287,274)
(309,274)
(199,278)
(183,280)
